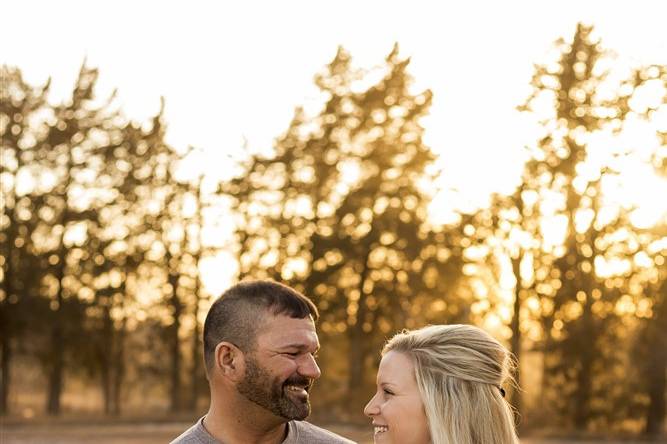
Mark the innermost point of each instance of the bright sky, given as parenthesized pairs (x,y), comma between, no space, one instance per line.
(231,71)
(234,70)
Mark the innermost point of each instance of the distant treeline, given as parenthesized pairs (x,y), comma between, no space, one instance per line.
(102,241)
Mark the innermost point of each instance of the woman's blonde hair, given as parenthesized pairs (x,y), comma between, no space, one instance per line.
(460,371)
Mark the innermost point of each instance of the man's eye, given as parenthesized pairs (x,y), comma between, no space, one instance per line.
(294,354)
(387,392)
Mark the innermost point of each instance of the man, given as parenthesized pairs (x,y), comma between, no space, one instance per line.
(259,349)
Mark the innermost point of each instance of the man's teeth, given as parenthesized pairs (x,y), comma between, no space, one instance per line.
(297,389)
(380,429)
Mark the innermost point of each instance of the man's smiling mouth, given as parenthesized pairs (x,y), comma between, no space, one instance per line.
(297,390)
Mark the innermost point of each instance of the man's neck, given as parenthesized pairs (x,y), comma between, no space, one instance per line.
(238,425)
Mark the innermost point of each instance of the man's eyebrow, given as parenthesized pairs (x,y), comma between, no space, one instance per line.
(299,346)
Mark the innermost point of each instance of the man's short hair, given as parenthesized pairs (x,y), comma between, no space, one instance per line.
(236,316)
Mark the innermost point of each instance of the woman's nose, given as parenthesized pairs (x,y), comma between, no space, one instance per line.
(371,408)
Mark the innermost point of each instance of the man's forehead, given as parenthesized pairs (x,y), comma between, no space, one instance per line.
(282,330)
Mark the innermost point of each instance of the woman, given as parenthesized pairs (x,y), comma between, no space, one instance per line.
(442,384)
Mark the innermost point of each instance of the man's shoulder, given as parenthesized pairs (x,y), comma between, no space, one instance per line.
(195,435)
(311,434)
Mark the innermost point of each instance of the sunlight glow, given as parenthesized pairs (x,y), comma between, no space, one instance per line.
(232,91)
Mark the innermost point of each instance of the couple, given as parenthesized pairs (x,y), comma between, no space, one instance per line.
(439,384)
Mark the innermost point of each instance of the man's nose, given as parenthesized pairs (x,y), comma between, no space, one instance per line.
(309,368)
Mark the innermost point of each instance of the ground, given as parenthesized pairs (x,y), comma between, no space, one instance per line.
(154,433)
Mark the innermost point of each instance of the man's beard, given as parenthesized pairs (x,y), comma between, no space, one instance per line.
(258,387)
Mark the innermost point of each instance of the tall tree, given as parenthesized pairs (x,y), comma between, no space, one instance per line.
(198,250)
(121,246)
(340,211)
(55,146)
(71,149)
(580,102)
(18,101)
(651,345)
(83,189)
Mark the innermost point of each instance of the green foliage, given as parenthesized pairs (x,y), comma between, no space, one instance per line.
(82,188)
(585,338)
(340,211)
(101,244)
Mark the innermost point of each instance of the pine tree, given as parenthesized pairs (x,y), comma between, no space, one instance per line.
(340,212)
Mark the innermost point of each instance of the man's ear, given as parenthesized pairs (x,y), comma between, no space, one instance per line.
(230,361)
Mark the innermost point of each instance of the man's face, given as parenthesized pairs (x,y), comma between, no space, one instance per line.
(281,369)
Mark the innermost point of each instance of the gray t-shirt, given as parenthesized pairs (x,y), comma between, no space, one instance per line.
(298,432)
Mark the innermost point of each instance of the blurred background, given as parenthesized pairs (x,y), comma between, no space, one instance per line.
(503,165)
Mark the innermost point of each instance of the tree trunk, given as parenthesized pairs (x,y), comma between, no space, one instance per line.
(356,356)
(106,386)
(196,358)
(655,415)
(57,338)
(5,376)
(56,368)
(657,374)
(196,365)
(118,370)
(582,411)
(106,359)
(175,391)
(8,326)
(196,342)
(356,335)
(516,333)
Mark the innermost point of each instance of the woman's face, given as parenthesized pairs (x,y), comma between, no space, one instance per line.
(396,409)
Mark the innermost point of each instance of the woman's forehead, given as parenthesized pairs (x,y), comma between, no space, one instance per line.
(395,367)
